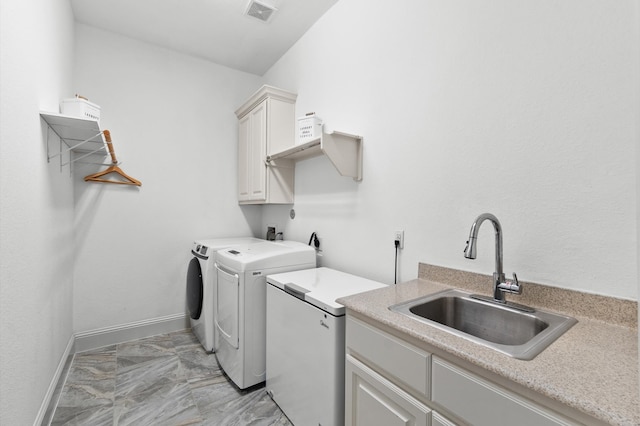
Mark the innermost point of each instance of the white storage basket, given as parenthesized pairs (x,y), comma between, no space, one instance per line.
(309,128)
(80,107)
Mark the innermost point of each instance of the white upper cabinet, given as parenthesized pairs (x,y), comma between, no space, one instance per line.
(266,125)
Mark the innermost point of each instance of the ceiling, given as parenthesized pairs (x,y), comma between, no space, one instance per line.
(216,30)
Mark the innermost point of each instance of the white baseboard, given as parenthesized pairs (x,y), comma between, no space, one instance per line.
(101,337)
(45,414)
(98,338)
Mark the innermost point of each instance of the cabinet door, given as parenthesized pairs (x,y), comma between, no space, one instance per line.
(372,400)
(244,168)
(252,143)
(258,152)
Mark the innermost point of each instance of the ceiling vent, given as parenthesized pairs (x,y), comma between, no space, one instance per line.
(260,10)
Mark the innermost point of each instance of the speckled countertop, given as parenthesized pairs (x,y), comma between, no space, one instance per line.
(592,368)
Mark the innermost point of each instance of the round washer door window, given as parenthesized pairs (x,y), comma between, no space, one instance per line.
(194,288)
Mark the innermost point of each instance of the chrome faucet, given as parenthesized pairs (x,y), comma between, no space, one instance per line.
(501,285)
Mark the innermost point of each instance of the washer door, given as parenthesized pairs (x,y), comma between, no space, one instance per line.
(194,288)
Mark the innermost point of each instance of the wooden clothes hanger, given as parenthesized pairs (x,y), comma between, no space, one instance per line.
(97,177)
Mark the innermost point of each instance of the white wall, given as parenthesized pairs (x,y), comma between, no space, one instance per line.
(36,209)
(522,109)
(172,121)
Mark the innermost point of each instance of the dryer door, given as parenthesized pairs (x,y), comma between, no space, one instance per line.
(228,305)
(194,288)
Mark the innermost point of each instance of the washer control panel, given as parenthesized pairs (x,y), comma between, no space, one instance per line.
(200,249)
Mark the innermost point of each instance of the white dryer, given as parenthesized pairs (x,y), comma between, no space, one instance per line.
(201,287)
(241,303)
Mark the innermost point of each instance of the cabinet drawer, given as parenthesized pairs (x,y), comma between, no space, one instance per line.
(480,402)
(407,363)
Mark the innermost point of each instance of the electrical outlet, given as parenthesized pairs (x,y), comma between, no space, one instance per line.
(399,236)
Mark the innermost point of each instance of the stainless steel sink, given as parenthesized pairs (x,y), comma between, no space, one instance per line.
(522,335)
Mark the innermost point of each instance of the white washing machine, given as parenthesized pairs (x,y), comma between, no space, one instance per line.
(241,303)
(201,287)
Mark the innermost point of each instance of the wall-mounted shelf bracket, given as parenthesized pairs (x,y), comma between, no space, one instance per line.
(85,138)
(343,150)
(77,135)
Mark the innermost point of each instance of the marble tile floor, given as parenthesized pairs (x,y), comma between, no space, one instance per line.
(163,380)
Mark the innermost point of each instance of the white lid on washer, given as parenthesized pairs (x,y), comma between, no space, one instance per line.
(322,286)
(206,248)
(222,243)
(266,255)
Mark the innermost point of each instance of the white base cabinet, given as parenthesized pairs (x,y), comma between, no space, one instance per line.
(391,382)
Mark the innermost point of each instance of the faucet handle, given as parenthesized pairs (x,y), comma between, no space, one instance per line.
(511,286)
